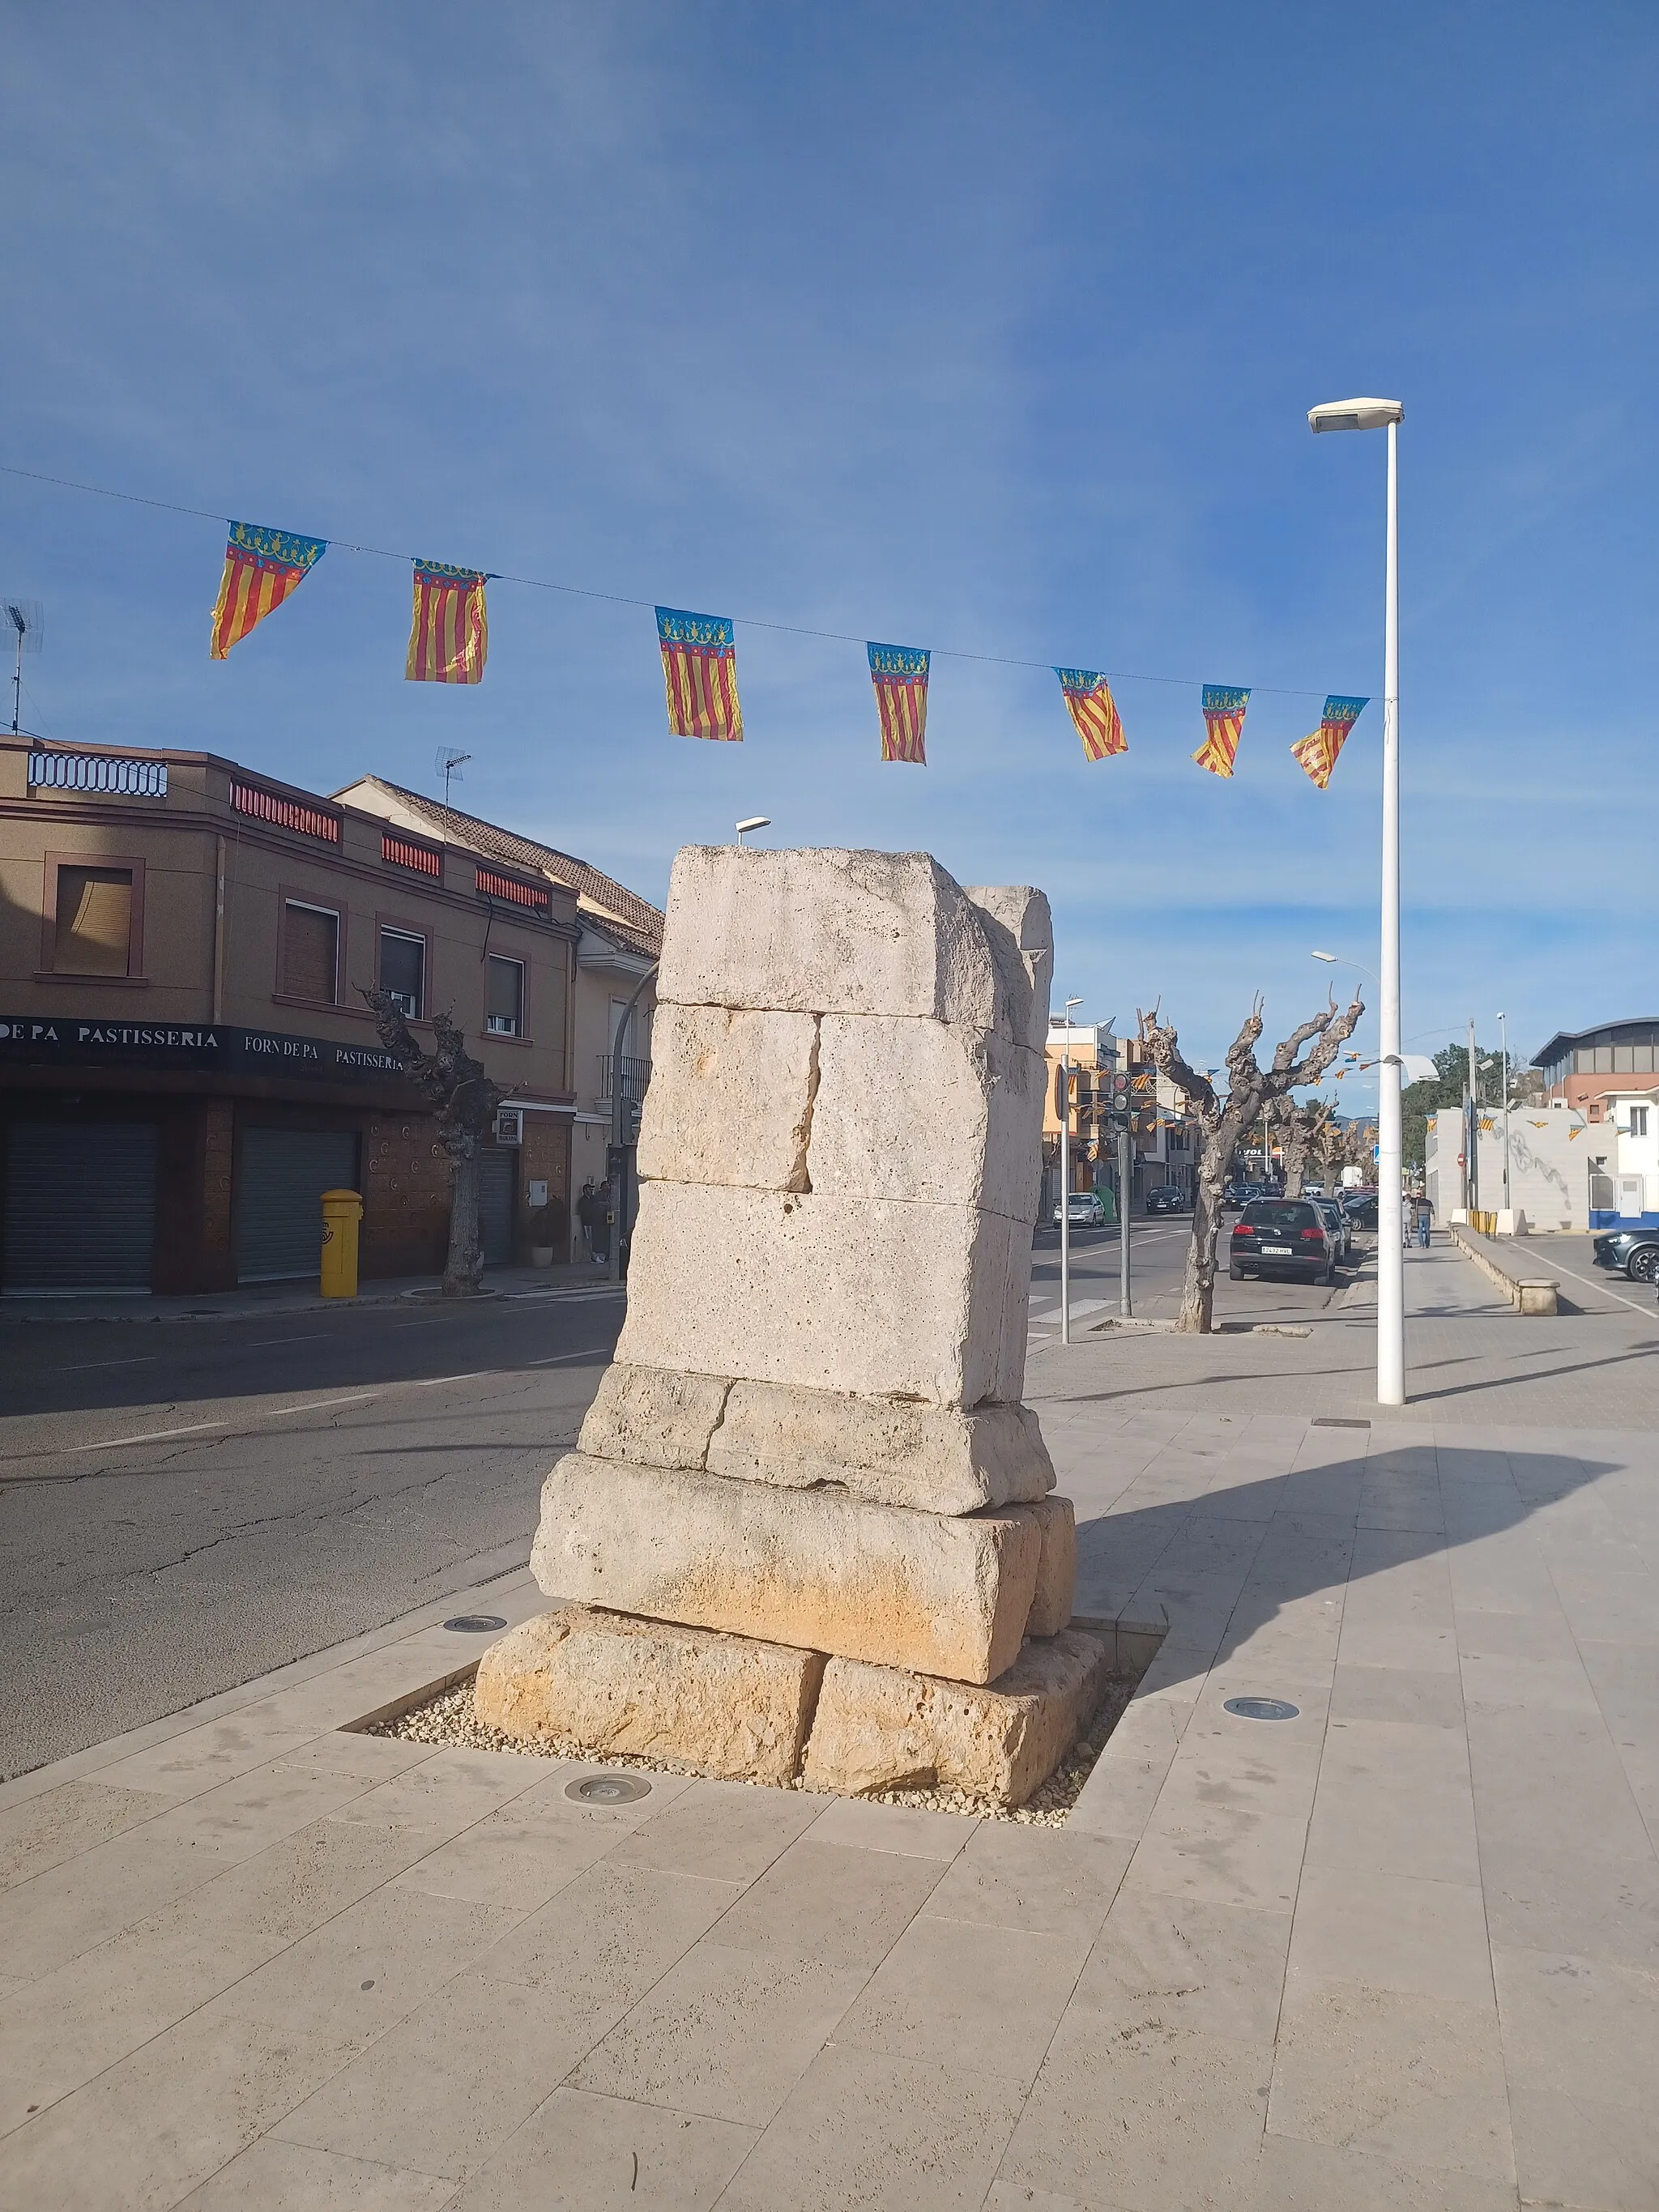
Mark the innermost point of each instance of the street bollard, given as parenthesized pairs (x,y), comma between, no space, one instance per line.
(342,1210)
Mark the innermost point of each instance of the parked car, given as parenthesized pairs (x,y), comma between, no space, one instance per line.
(1169,1198)
(1282,1237)
(1241,1193)
(1341,1227)
(1360,1208)
(1085,1211)
(1633,1252)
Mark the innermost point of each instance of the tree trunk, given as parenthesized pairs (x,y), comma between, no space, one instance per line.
(1198,1291)
(464,1266)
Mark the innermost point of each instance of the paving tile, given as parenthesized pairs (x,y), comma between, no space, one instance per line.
(726,1831)
(1415,2078)
(1008,1875)
(200,1757)
(1229,1855)
(1395,1798)
(55,1916)
(1540,1898)
(1293,2176)
(908,1833)
(725,2033)
(255,1809)
(1560,1685)
(352,1978)
(1578,2027)
(886,2135)
(988,1997)
(1097,2127)
(516,1857)
(42,1832)
(271,2172)
(831,1903)
(1392,1932)
(1575,2151)
(445,2088)
(1425,1699)
(1185,1965)
(606,1937)
(151,2129)
(1552,1778)
(445,1794)
(580,2153)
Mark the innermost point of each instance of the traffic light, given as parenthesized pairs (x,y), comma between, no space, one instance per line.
(1118,1096)
(1143,1101)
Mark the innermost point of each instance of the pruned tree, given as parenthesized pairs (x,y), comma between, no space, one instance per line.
(1251,1090)
(463,1099)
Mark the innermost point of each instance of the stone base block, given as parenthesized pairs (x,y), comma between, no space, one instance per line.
(1051,1608)
(878,1728)
(946,1594)
(728,1706)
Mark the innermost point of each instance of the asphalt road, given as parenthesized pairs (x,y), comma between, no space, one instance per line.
(183,1505)
(186,1504)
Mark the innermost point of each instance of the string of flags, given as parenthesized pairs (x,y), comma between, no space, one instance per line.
(449,643)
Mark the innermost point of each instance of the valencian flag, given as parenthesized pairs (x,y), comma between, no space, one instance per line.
(1317,753)
(1089,702)
(449,633)
(1223,717)
(261,568)
(699,675)
(899,674)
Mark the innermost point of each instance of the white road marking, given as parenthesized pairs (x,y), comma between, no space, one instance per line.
(1649,1312)
(432,1381)
(86,1366)
(592,1351)
(228,1421)
(311,1336)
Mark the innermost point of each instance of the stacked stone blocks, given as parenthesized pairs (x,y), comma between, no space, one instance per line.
(812,1441)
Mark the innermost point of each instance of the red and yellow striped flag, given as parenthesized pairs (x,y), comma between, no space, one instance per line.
(699,675)
(449,635)
(1316,754)
(261,568)
(899,674)
(1094,711)
(1224,719)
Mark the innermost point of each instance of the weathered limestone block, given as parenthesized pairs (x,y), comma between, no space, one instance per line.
(1014,1340)
(920,1110)
(945,1593)
(870,1296)
(730,1099)
(654,1415)
(821,932)
(728,1706)
(1022,935)
(1051,1608)
(932,1458)
(878,1728)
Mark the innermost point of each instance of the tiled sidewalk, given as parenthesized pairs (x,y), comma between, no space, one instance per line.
(1400,1952)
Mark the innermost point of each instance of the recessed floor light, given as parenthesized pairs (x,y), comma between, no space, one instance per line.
(1261,1709)
(476,1623)
(607,1789)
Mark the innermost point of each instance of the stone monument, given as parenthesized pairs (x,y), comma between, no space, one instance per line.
(808,1533)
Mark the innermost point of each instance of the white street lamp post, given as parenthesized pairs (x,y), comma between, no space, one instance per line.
(1504,1048)
(1375,415)
(1066,1179)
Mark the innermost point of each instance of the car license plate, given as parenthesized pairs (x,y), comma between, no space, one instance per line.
(1275,1251)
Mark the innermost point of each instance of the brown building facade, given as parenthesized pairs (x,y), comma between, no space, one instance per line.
(186,1061)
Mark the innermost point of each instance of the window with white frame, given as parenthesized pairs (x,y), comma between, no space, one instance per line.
(504,999)
(1638,1121)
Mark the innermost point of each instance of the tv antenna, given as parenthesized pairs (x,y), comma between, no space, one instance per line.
(27,622)
(450,764)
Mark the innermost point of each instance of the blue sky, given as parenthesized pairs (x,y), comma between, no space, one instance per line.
(962,326)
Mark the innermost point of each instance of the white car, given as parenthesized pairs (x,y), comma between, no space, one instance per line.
(1084,1209)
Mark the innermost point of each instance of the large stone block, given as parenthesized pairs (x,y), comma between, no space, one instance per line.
(878,1728)
(728,1706)
(872,1296)
(943,1594)
(821,932)
(1021,936)
(921,1110)
(930,1458)
(730,1099)
(654,1416)
(1051,1608)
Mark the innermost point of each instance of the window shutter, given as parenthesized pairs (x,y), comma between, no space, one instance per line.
(403,959)
(504,1005)
(94,921)
(311,945)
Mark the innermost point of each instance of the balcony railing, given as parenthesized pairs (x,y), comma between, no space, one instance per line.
(635,1073)
(129,779)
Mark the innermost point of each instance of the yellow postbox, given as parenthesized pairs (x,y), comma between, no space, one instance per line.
(342,1210)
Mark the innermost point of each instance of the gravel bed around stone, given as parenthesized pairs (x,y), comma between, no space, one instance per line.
(448,1718)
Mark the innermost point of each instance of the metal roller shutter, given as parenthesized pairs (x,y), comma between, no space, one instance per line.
(80,1207)
(279,1187)
(497,1166)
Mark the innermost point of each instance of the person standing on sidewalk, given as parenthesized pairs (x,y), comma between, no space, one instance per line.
(1424,1217)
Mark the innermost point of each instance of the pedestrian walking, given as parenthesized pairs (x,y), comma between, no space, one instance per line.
(1424,1219)
(1408,1218)
(585,1213)
(602,1223)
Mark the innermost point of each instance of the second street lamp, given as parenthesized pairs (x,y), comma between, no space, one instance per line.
(1377,415)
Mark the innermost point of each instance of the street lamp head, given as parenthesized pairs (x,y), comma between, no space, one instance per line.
(754,822)
(1330,957)
(1355,415)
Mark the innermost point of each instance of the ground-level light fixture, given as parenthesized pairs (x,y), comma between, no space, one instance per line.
(753,822)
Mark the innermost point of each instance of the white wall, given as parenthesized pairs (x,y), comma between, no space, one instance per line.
(1550,1151)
